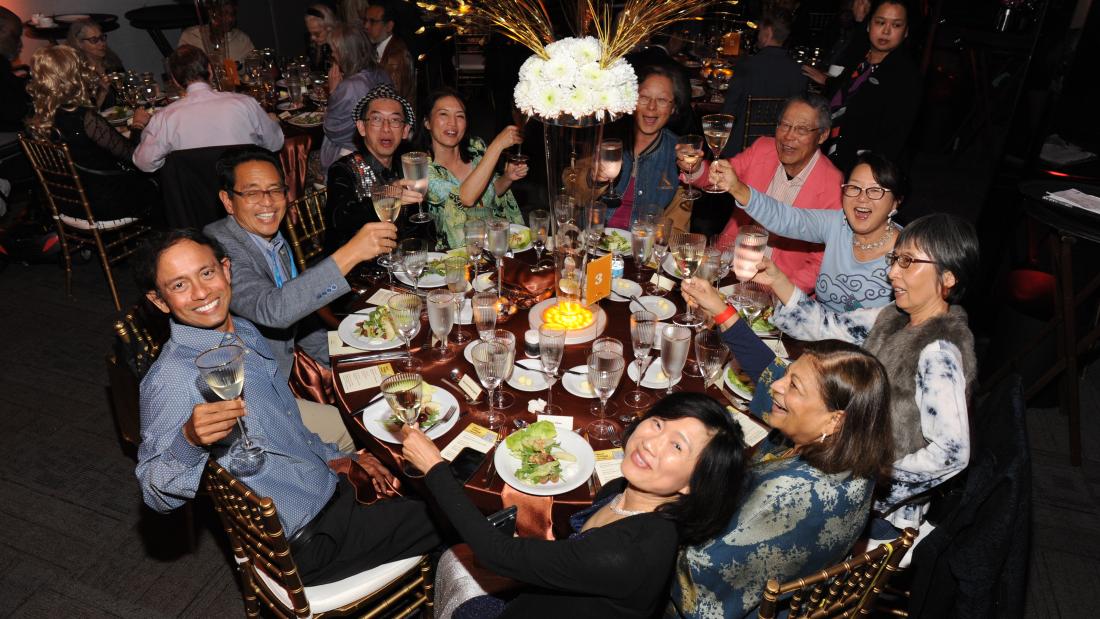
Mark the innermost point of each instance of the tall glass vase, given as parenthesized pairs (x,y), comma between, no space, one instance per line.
(571,146)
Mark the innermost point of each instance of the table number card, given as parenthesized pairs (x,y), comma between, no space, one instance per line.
(597,279)
(662,282)
(564,423)
(609,465)
(365,378)
(381,297)
(336,346)
(474,437)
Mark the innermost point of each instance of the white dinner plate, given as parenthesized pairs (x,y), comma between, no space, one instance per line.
(307,119)
(623,288)
(427,280)
(516,228)
(662,307)
(655,377)
(578,384)
(117,115)
(734,385)
(375,415)
(573,474)
(525,379)
(349,336)
(607,232)
(669,266)
(287,106)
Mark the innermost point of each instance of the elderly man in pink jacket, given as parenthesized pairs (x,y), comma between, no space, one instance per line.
(790,168)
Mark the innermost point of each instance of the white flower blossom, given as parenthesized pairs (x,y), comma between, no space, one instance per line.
(571,82)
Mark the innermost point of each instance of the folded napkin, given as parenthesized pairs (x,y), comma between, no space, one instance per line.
(523,287)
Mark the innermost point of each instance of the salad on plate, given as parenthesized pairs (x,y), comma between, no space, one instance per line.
(378,325)
(614,241)
(539,453)
(431,413)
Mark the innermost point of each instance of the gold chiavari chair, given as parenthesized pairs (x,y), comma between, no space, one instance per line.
(305,227)
(761,115)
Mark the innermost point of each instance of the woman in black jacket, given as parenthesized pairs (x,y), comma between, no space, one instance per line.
(682,469)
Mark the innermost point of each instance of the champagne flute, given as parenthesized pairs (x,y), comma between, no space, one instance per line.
(662,231)
(490,359)
(388,207)
(485,314)
(675,341)
(457,275)
(689,154)
(711,354)
(507,339)
(551,349)
(404,393)
(643,330)
(441,318)
(641,244)
(223,370)
(688,249)
(716,129)
(498,232)
(414,259)
(539,221)
(749,248)
(605,370)
(611,163)
(474,230)
(414,167)
(405,313)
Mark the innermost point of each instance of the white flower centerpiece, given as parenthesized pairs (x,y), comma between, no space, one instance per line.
(571,83)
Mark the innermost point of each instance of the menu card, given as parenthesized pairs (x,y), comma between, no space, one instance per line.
(609,465)
(365,378)
(753,431)
(336,346)
(474,437)
(597,280)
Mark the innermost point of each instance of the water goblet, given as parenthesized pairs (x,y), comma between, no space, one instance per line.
(749,249)
(675,341)
(490,361)
(498,232)
(711,354)
(605,370)
(506,338)
(441,318)
(643,332)
(414,259)
(485,311)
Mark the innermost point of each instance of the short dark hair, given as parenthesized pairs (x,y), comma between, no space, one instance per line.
(11,29)
(148,253)
(818,103)
(854,381)
(886,174)
(387,11)
(780,24)
(681,95)
(189,64)
(425,137)
(227,163)
(951,242)
(719,472)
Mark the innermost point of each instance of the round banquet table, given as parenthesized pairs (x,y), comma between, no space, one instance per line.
(544,517)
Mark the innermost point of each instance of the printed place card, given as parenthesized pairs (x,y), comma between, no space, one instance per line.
(475,437)
(609,465)
(563,423)
(470,386)
(754,432)
(336,346)
(662,282)
(365,378)
(381,296)
(284,115)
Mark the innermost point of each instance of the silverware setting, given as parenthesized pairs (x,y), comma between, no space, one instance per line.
(376,356)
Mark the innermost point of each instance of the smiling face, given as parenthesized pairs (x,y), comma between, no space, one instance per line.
(318,34)
(798,409)
(888,28)
(447,122)
(919,290)
(382,141)
(264,216)
(193,286)
(656,103)
(92,42)
(660,454)
(795,150)
(865,215)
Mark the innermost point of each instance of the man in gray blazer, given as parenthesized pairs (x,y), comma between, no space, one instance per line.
(268,290)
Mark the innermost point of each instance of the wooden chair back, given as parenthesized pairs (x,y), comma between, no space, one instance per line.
(305,227)
(845,590)
(761,116)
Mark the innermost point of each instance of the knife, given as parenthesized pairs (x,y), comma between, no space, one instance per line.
(377,356)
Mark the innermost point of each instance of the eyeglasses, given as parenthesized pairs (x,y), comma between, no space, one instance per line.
(904,260)
(661,103)
(393,122)
(253,196)
(100,39)
(873,193)
(799,130)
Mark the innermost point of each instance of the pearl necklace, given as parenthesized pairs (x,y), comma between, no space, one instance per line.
(615,509)
(875,245)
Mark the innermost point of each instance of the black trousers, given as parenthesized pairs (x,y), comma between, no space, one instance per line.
(349,538)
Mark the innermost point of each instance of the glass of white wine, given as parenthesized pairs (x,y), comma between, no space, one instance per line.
(716,130)
(404,393)
(498,232)
(688,249)
(540,231)
(475,242)
(689,154)
(414,167)
(223,370)
(458,275)
(387,205)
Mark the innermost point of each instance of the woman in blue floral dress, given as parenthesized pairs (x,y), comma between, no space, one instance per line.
(463,183)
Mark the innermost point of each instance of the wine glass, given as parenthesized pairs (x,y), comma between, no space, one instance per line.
(687,249)
(595,222)
(711,267)
(751,300)
(441,318)
(662,231)
(507,339)
(605,370)
(565,210)
(748,250)
(414,259)
(716,129)
(711,354)
(689,153)
(643,330)
(539,220)
(498,232)
(675,341)
(474,231)
(414,167)
(223,370)
(490,361)
(405,313)
(484,307)
(611,163)
(387,206)
(551,349)
(404,393)
(457,275)
(641,244)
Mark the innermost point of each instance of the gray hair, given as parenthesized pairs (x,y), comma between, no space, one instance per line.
(76,29)
(352,47)
(818,103)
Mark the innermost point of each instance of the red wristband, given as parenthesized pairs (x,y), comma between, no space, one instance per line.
(725,315)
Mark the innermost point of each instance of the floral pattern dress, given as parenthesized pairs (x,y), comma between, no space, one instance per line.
(446,207)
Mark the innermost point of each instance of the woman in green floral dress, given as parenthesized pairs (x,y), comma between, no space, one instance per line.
(463,183)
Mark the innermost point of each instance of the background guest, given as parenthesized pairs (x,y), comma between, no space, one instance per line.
(222,22)
(14,102)
(354,73)
(320,20)
(87,37)
(390,49)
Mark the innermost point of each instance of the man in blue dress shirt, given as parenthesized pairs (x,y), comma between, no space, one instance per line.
(183,423)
